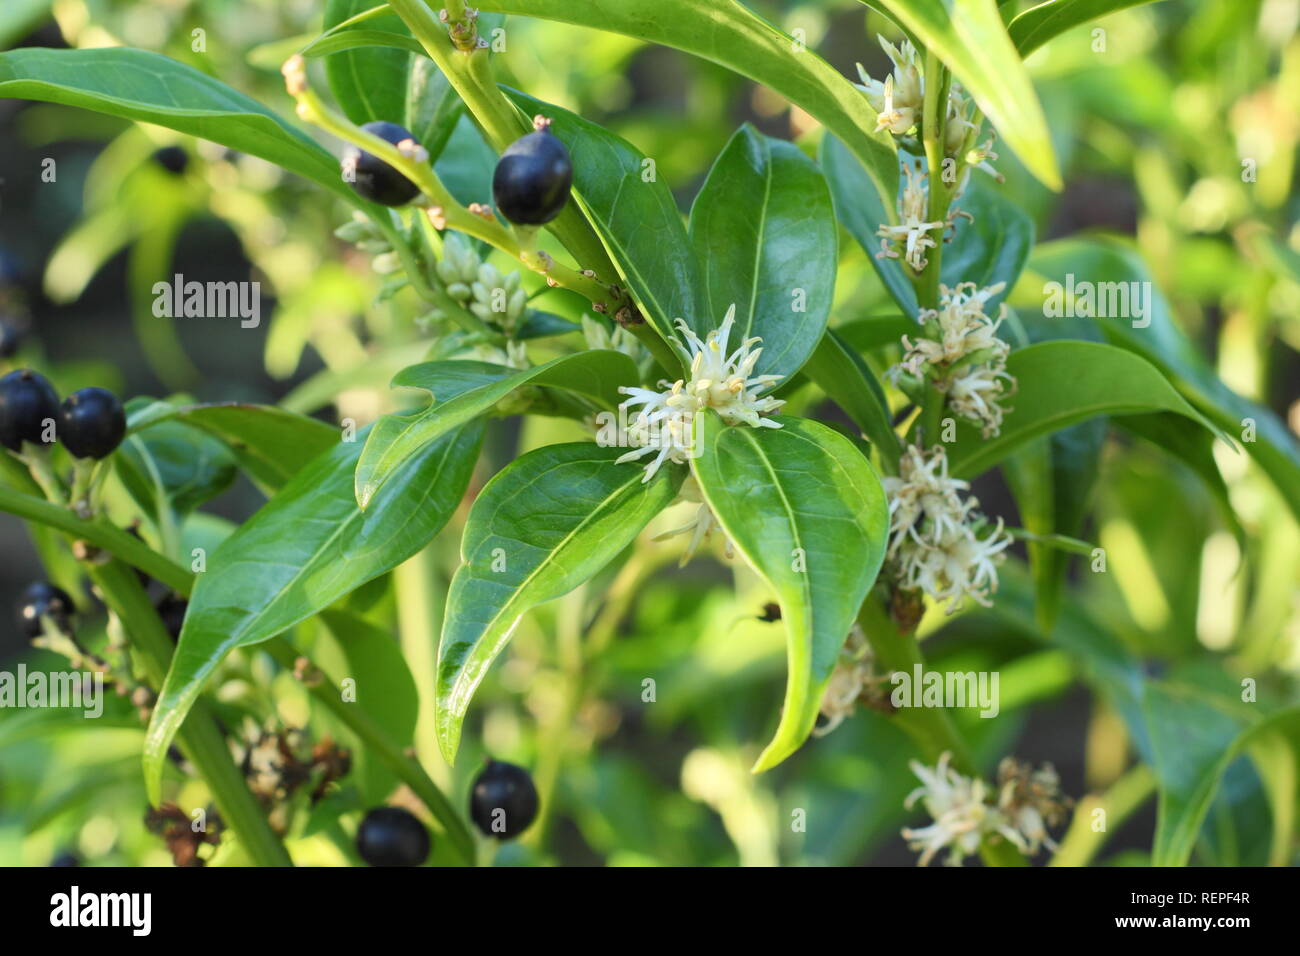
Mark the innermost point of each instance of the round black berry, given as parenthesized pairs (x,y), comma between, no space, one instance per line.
(171,609)
(374,179)
(66,858)
(503,800)
(27,403)
(43,600)
(91,423)
(172,158)
(11,336)
(391,836)
(532,179)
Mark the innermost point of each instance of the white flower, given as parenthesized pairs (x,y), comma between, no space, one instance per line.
(854,675)
(913,230)
(962,815)
(619,340)
(1031,800)
(700,527)
(933,541)
(718,380)
(899,99)
(960,352)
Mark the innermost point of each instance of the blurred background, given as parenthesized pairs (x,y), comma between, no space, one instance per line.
(1149,128)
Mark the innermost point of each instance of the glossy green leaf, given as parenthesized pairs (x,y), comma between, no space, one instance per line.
(464,390)
(358,39)
(172,466)
(730,34)
(271,444)
(150,88)
(1060,384)
(368,81)
(432,107)
(847,380)
(970,39)
(763,230)
(635,214)
(1037,25)
(372,659)
(545,524)
(1194,740)
(307,547)
(808,513)
(1162,343)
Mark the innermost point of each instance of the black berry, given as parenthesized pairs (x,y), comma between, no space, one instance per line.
(91,423)
(503,800)
(43,600)
(532,179)
(171,609)
(27,402)
(391,836)
(172,158)
(11,336)
(66,858)
(372,178)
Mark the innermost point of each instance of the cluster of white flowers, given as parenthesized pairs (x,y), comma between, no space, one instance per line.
(701,526)
(964,815)
(960,352)
(718,380)
(900,99)
(912,233)
(934,541)
(853,678)
(618,339)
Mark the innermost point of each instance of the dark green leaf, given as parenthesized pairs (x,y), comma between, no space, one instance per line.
(809,515)
(369,82)
(545,524)
(463,391)
(307,547)
(1038,24)
(763,230)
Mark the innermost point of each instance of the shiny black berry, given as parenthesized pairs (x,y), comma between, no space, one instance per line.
(391,836)
(27,402)
(11,336)
(43,600)
(172,158)
(171,609)
(91,423)
(532,179)
(66,858)
(374,179)
(503,800)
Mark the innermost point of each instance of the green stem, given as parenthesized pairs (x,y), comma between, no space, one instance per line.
(932,131)
(199,738)
(932,728)
(1081,842)
(100,534)
(383,746)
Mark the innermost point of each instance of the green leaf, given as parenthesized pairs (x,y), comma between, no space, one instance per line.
(1162,343)
(764,231)
(464,390)
(635,214)
(729,34)
(847,380)
(1037,25)
(991,249)
(358,39)
(432,107)
(150,88)
(21,17)
(174,466)
(544,525)
(808,513)
(1195,740)
(271,444)
(1060,384)
(307,547)
(862,211)
(369,82)
(969,37)
(385,690)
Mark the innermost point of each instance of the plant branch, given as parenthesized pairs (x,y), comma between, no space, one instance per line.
(1081,842)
